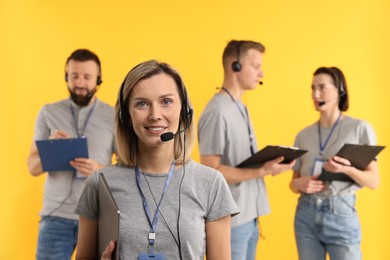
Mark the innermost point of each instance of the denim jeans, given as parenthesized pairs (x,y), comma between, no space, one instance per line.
(327,225)
(244,241)
(57,238)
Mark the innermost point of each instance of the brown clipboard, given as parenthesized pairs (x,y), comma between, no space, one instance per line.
(271,152)
(359,155)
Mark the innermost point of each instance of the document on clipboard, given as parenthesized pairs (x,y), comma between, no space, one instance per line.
(358,155)
(108,220)
(271,152)
(56,154)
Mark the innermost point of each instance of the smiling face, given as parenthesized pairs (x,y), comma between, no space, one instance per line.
(154,108)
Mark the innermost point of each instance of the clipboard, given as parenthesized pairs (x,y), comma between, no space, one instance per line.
(359,156)
(271,152)
(56,154)
(108,219)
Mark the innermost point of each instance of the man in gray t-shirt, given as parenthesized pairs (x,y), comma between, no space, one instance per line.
(81,115)
(226,138)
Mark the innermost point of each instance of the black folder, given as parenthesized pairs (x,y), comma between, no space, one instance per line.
(56,154)
(359,156)
(108,220)
(271,152)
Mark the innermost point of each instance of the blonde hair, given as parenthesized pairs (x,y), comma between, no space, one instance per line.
(126,139)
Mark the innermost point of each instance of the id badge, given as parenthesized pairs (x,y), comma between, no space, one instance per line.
(151,257)
(317,168)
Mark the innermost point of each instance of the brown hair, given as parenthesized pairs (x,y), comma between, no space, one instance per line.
(339,82)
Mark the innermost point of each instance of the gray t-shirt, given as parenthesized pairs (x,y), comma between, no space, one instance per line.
(348,130)
(204,196)
(223,131)
(62,186)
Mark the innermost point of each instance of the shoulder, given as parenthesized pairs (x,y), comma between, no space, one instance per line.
(215,108)
(308,130)
(361,128)
(115,170)
(356,121)
(117,176)
(54,108)
(217,101)
(105,106)
(62,104)
(359,124)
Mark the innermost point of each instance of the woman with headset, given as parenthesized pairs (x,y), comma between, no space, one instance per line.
(326,221)
(171,207)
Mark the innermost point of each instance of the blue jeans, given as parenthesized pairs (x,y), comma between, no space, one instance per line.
(57,238)
(244,241)
(327,225)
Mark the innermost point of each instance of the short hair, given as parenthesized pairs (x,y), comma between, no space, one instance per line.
(84,55)
(237,48)
(339,82)
(126,138)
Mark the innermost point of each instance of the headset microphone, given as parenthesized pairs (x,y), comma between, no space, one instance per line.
(321,103)
(168,136)
(261,82)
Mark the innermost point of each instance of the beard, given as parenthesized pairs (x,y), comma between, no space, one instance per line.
(82,100)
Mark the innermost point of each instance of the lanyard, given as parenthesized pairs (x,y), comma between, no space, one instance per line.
(80,134)
(246,119)
(322,147)
(153,223)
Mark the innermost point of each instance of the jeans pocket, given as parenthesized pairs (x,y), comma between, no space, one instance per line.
(344,207)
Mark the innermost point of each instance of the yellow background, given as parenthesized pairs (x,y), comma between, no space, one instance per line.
(301,35)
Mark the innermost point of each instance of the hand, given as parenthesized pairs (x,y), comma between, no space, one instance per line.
(274,167)
(308,184)
(337,164)
(59,134)
(107,253)
(86,166)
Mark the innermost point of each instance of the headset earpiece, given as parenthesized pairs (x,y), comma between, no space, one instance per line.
(124,114)
(338,77)
(341,87)
(186,111)
(99,80)
(236,65)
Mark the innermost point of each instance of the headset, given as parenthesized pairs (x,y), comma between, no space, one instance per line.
(337,76)
(98,80)
(186,112)
(236,65)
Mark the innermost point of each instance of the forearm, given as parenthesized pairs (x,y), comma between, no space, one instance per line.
(293,188)
(367,178)
(34,161)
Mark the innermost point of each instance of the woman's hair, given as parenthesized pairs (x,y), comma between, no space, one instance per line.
(339,82)
(126,139)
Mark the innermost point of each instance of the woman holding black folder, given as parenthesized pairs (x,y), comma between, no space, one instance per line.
(326,221)
(170,206)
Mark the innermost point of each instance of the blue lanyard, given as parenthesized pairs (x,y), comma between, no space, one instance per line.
(80,134)
(153,223)
(246,119)
(322,147)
